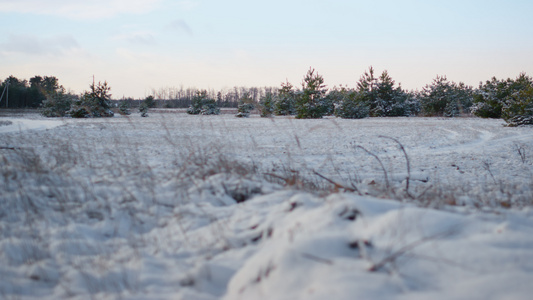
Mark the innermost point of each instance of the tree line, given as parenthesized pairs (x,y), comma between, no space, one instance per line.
(32,93)
(379,96)
(374,96)
(21,93)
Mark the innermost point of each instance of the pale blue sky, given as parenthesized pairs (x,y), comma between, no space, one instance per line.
(138,45)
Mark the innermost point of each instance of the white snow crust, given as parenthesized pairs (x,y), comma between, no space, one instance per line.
(175,206)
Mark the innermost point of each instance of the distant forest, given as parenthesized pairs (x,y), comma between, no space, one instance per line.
(22,93)
(17,93)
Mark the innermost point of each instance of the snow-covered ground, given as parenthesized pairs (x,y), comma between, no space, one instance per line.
(216,207)
(17,125)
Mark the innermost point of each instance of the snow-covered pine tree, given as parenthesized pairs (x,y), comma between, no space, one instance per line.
(367,83)
(491,97)
(145,105)
(366,88)
(518,110)
(488,99)
(518,107)
(94,103)
(143,109)
(284,103)
(350,104)
(246,105)
(124,107)
(150,101)
(202,104)
(57,104)
(384,100)
(311,103)
(461,102)
(405,104)
(266,104)
(445,98)
(435,96)
(382,97)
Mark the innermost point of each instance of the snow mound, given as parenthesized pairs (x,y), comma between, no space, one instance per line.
(352,247)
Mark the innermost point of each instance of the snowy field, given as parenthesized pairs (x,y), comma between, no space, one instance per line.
(216,207)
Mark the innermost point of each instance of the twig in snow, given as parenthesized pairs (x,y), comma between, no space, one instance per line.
(405,249)
(521,151)
(380,163)
(337,185)
(317,259)
(407,161)
(9,148)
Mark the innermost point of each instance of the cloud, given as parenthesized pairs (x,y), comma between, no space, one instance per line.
(180,26)
(138,38)
(33,45)
(93,9)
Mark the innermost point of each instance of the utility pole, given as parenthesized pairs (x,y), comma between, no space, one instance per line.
(6,89)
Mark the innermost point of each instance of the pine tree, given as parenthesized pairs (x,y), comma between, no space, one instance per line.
(350,104)
(492,96)
(143,109)
(367,82)
(145,105)
(382,97)
(202,104)
(246,105)
(489,99)
(518,110)
(285,103)
(445,98)
(311,103)
(266,105)
(150,101)
(124,108)
(93,103)
(367,90)
(57,104)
